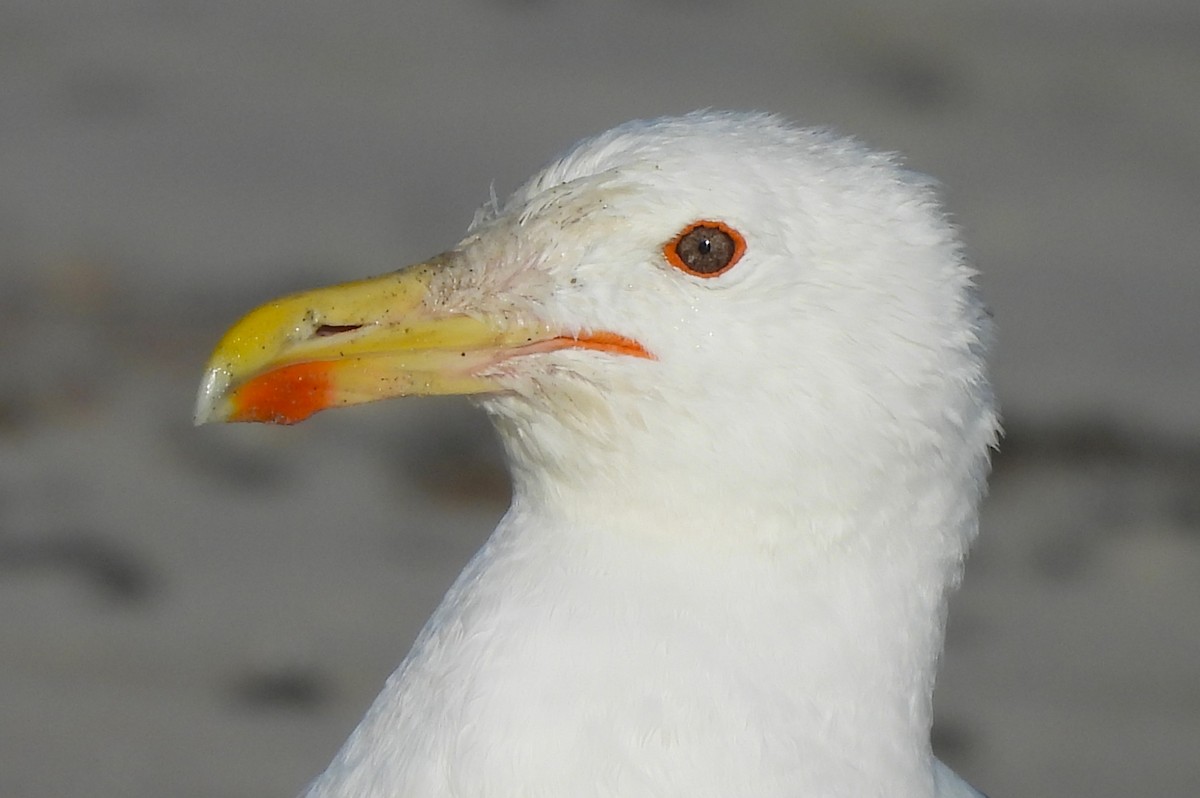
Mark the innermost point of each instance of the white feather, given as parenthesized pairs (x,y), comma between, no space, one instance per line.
(724,572)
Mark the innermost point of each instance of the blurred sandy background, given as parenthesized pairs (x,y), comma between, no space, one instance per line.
(207,612)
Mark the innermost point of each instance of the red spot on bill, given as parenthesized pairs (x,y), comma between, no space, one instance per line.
(285,395)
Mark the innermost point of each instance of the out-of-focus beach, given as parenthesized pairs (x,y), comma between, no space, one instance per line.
(207,612)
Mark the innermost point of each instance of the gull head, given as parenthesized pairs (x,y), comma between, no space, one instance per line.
(673,314)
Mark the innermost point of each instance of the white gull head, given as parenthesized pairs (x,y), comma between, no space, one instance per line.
(741,494)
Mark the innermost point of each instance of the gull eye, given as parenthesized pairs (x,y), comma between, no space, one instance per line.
(705,249)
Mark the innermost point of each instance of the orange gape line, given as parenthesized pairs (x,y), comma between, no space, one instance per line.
(285,395)
(606,342)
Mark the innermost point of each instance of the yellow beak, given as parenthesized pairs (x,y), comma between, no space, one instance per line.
(368,340)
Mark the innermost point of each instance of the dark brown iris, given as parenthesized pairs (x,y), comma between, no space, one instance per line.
(705,248)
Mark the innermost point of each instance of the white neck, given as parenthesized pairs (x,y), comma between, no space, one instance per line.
(580,661)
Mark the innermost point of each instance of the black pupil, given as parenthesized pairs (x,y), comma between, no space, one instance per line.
(705,250)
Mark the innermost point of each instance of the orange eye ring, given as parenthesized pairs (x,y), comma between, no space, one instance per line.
(705,248)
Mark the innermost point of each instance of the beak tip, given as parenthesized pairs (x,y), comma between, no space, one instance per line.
(208,399)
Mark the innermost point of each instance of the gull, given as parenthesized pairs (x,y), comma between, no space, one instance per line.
(738,371)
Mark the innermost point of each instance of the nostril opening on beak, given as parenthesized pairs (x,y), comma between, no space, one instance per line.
(326,330)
